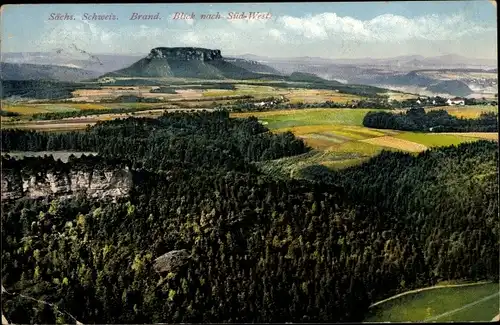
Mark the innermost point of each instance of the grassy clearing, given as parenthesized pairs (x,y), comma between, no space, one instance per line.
(306,117)
(60,126)
(34,108)
(435,139)
(441,304)
(399,96)
(357,149)
(25,109)
(345,163)
(317,96)
(291,166)
(338,133)
(351,132)
(480,135)
(337,156)
(294,95)
(467,111)
(78,123)
(396,143)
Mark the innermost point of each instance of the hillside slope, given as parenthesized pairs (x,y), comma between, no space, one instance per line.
(184,62)
(253,66)
(452,87)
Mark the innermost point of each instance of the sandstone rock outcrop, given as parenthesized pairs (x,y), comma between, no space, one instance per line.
(184,54)
(96,183)
(171,261)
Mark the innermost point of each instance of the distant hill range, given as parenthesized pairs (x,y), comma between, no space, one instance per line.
(399,63)
(23,71)
(253,66)
(74,57)
(409,79)
(74,64)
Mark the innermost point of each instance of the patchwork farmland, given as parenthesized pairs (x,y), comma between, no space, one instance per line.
(340,139)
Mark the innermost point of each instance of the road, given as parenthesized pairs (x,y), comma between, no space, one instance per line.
(429,288)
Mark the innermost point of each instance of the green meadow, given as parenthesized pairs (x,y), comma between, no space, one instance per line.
(455,304)
(341,140)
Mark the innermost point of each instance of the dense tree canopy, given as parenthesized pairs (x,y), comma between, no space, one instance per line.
(196,139)
(416,119)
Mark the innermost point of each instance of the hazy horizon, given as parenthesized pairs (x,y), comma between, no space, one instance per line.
(283,57)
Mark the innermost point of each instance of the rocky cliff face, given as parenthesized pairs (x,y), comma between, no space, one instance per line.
(99,183)
(184,54)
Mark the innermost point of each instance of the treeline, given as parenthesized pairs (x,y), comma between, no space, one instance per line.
(261,250)
(40,89)
(8,114)
(47,163)
(131,99)
(416,119)
(201,139)
(87,112)
(285,104)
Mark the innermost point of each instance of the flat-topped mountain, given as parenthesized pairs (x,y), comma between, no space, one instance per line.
(184,53)
(184,62)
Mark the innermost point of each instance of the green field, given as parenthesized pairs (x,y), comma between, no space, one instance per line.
(341,140)
(304,117)
(434,139)
(468,303)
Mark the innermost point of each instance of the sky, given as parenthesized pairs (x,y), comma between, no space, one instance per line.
(329,30)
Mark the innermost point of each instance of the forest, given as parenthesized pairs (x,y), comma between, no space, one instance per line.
(416,119)
(40,89)
(86,112)
(201,139)
(261,249)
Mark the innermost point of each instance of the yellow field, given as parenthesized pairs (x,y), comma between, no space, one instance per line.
(85,95)
(339,134)
(75,123)
(467,111)
(356,132)
(29,109)
(399,96)
(241,90)
(59,126)
(82,106)
(482,135)
(316,96)
(23,109)
(396,143)
(293,95)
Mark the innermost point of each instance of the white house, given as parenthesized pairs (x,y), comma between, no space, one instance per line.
(455,101)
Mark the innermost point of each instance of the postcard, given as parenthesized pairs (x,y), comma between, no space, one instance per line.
(249,162)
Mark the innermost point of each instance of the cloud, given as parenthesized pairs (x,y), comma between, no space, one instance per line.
(319,34)
(383,28)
